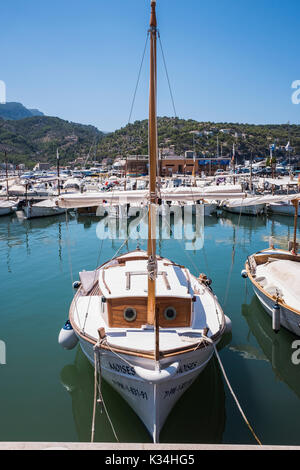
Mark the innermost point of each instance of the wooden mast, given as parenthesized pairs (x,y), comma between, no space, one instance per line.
(152,316)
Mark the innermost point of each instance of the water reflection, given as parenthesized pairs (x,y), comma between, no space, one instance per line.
(276,348)
(16,232)
(199,415)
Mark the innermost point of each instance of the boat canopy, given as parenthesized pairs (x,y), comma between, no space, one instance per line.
(255,200)
(181,194)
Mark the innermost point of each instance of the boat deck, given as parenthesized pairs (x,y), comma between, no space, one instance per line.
(282,277)
(126,277)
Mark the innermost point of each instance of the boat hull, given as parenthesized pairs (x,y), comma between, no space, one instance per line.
(153,400)
(35,211)
(6,210)
(246,210)
(288,319)
(282,209)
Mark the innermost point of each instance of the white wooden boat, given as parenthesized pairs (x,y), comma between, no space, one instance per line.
(145,322)
(7,207)
(253,204)
(44,208)
(190,319)
(256,209)
(275,275)
(282,208)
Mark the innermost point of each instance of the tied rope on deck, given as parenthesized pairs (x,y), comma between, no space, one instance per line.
(152,267)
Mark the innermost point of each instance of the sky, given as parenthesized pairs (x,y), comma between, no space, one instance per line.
(227,61)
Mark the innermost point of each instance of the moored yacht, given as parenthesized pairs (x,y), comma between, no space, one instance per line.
(146,323)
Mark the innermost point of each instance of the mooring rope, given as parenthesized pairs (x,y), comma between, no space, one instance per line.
(234,396)
(97,388)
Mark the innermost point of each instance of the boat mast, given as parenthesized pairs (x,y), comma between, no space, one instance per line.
(6,171)
(152,314)
(57,161)
(233,163)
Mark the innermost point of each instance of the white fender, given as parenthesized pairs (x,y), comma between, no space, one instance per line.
(67,338)
(228,324)
(276,317)
(155,376)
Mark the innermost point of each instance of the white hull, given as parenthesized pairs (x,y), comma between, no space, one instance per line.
(5,210)
(288,319)
(282,209)
(246,210)
(35,211)
(153,400)
(274,275)
(7,207)
(209,209)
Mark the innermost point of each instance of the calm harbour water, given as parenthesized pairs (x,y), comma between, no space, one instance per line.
(47,393)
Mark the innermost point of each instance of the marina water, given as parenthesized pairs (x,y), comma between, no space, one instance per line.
(47,392)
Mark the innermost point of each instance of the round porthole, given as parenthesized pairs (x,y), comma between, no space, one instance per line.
(170,313)
(130,314)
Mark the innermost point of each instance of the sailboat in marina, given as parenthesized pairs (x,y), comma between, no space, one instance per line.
(7,206)
(146,322)
(274,274)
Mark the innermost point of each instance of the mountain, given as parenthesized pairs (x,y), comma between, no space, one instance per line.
(36,112)
(17,111)
(35,139)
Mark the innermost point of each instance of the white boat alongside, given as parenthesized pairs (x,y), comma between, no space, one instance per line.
(44,208)
(275,275)
(256,209)
(253,204)
(282,208)
(7,207)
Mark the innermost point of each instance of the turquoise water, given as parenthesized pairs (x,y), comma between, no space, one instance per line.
(47,392)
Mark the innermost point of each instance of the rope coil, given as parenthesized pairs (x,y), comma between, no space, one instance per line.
(152,267)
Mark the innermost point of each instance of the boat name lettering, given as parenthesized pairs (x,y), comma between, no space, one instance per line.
(121,368)
(179,388)
(134,391)
(187,367)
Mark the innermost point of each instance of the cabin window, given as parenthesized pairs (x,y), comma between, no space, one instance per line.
(130,314)
(170,313)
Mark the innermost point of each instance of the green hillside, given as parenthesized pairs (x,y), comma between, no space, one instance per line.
(133,139)
(35,139)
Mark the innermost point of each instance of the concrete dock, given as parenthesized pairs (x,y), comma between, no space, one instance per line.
(106,446)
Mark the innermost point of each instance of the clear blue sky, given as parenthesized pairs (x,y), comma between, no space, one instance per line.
(230,61)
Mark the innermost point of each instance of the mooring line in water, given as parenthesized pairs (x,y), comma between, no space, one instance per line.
(97,387)
(232,260)
(234,396)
